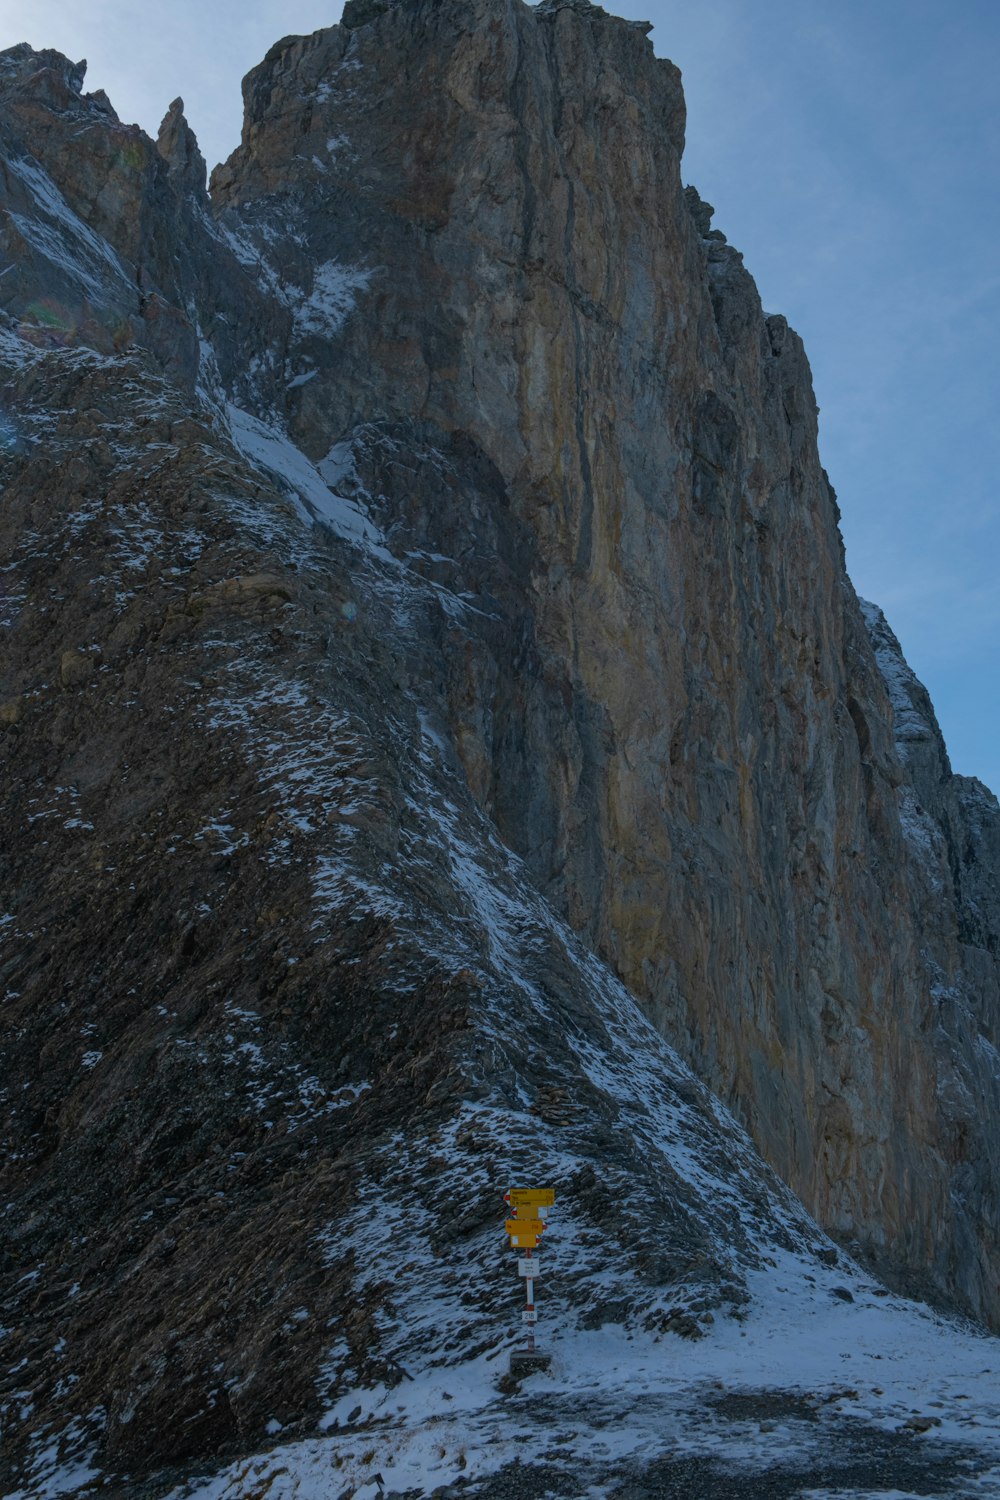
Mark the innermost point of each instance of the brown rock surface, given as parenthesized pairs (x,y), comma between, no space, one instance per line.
(674,713)
(178,146)
(268,980)
(265,955)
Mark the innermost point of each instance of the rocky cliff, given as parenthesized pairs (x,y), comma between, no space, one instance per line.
(674,711)
(426,629)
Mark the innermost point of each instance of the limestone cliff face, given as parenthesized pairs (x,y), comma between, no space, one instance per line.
(271,985)
(669,704)
(414,551)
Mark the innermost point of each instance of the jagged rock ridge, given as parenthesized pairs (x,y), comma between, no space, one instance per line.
(577,592)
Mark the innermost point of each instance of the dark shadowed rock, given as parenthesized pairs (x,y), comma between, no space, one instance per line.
(178,145)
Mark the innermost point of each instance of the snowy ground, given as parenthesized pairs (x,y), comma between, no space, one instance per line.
(806,1384)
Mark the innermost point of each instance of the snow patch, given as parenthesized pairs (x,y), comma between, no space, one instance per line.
(65,240)
(612,1401)
(269,449)
(332,298)
(901,682)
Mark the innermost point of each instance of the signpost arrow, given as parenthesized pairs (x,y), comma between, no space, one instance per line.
(530,1197)
(524,1226)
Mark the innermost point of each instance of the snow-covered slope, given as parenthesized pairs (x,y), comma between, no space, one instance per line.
(808,1395)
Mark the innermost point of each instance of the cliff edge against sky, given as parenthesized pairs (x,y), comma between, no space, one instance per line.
(426,635)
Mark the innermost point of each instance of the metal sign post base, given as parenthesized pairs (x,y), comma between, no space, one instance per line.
(528,1362)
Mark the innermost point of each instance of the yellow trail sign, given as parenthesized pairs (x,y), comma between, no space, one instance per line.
(531,1197)
(523,1241)
(524,1226)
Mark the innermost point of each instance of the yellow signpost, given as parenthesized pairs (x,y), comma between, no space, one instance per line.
(524,1226)
(530,1197)
(524,1229)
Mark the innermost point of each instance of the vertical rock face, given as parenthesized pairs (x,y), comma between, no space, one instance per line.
(673,712)
(576,590)
(178,146)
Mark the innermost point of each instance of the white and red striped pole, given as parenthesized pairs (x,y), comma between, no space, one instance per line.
(529,1287)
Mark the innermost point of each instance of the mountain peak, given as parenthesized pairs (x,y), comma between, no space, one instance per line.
(47,73)
(178,145)
(443,746)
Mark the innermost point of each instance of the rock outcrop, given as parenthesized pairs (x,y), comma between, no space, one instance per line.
(425,622)
(674,713)
(178,145)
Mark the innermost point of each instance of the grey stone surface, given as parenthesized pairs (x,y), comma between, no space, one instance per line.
(607,627)
(673,710)
(178,145)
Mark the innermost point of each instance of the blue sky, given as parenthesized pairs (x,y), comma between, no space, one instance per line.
(851,150)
